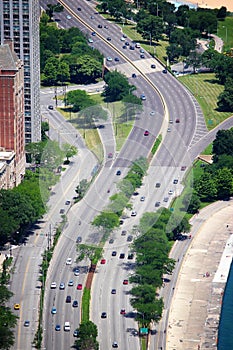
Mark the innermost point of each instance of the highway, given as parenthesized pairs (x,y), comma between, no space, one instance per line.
(166,166)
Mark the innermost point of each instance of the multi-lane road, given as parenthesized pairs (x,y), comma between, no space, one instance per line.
(166,100)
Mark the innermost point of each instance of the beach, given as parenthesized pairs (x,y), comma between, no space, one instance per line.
(209,3)
(196,306)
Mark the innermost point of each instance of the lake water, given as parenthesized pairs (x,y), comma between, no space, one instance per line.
(225,335)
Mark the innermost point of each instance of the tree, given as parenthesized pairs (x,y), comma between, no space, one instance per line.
(82,188)
(177,225)
(70,151)
(79,100)
(88,69)
(53,8)
(117,86)
(87,334)
(94,113)
(223,143)
(194,59)
(106,220)
(222,12)
(191,202)
(225,99)
(206,188)
(150,27)
(224,183)
(118,203)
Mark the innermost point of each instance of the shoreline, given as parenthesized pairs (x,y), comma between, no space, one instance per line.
(195,311)
(206,3)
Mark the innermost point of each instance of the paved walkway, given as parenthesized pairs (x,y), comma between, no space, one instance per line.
(196,305)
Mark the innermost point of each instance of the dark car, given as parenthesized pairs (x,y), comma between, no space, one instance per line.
(124,47)
(121,222)
(175,181)
(122,255)
(79,239)
(111,240)
(157,204)
(75,303)
(153,66)
(108,38)
(129,238)
(113,291)
(157,185)
(116,59)
(134,75)
(131,47)
(146,133)
(114,253)
(79,9)
(104,315)
(100,26)
(126,43)
(142,56)
(118,172)
(130,256)
(183,168)
(26,323)
(165,71)
(57,328)
(68,299)
(114,344)
(50,107)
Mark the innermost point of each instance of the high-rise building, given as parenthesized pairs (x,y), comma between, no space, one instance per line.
(12,137)
(19,20)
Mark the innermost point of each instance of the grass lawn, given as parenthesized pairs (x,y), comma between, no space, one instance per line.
(206,90)
(226,33)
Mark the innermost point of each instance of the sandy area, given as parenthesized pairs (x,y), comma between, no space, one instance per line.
(196,305)
(213,3)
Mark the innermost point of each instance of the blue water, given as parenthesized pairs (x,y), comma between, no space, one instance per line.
(225,335)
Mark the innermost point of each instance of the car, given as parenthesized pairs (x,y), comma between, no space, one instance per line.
(116,59)
(68,17)
(100,26)
(143,97)
(68,299)
(170,121)
(130,256)
(75,333)
(122,256)
(131,47)
(165,199)
(133,213)
(76,272)
(109,59)
(175,181)
(122,38)
(121,222)
(170,192)
(103,261)
(67,202)
(134,75)
(113,291)
(157,204)
(177,120)
(104,315)
(90,40)
(50,107)
(80,286)
(152,113)
(75,303)
(127,43)
(79,9)
(26,323)
(93,33)
(137,45)
(118,172)
(142,56)
(153,66)
(92,17)
(53,310)
(125,282)
(114,344)
(114,253)
(169,129)
(158,184)
(57,327)
(141,51)
(53,285)
(164,71)
(142,198)
(146,133)
(108,38)
(106,27)
(129,238)
(79,239)
(122,312)
(183,168)
(123,233)
(67,326)
(110,155)
(16,306)
(70,283)
(124,47)
(68,261)
(62,286)
(62,211)
(111,240)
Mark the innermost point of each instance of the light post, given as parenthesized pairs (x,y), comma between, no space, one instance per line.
(226,33)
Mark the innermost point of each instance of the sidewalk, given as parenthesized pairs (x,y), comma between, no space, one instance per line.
(196,305)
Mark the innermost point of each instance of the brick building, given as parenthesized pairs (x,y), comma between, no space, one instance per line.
(12,136)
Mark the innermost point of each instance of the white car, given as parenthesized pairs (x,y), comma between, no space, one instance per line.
(122,38)
(53,285)
(69,261)
(90,40)
(134,213)
(170,192)
(109,59)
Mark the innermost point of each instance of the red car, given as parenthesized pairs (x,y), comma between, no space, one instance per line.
(79,286)
(122,312)
(103,261)
(177,120)
(125,282)
(146,133)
